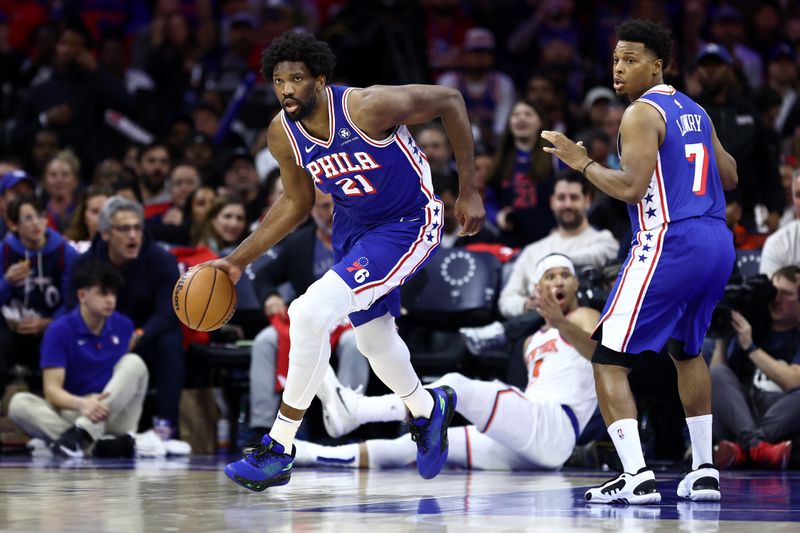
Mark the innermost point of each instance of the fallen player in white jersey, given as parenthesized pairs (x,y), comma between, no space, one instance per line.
(511,429)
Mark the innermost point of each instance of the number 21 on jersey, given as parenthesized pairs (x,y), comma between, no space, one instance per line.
(356,186)
(697,154)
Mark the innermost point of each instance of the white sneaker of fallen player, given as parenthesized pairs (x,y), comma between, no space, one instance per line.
(338,406)
(482,338)
(628,489)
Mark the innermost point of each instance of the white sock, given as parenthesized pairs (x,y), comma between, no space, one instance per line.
(394,453)
(346,456)
(283,430)
(700,433)
(625,436)
(419,401)
(386,408)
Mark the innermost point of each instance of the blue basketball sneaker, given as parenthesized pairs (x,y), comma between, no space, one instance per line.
(267,465)
(430,434)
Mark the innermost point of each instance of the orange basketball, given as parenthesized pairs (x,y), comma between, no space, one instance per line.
(204,298)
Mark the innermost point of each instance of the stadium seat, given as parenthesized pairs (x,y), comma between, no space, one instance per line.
(457,288)
(748,262)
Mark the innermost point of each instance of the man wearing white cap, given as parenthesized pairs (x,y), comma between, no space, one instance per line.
(510,429)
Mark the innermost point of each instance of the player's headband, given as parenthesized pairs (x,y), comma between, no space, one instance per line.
(553,261)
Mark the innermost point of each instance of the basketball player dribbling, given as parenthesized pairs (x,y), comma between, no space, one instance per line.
(673,173)
(353,144)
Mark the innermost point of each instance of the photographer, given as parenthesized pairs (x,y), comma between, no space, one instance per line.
(755,417)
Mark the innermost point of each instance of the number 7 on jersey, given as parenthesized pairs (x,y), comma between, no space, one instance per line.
(698,154)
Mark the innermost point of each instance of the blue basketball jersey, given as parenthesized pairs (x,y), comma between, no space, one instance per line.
(686,182)
(371,181)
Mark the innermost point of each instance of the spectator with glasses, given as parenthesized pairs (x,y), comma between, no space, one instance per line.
(150,274)
(36,263)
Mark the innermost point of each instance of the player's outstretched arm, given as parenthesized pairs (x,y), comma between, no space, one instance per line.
(641,131)
(726,164)
(289,210)
(577,328)
(380,108)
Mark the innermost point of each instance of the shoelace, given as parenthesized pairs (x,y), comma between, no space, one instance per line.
(419,435)
(260,451)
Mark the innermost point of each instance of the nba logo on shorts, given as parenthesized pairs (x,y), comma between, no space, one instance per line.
(620,433)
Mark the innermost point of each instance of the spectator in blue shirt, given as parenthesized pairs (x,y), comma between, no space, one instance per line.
(150,274)
(92,385)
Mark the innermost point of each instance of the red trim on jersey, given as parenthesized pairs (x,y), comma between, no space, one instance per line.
(496,402)
(661,192)
(296,149)
(421,174)
(367,139)
(409,156)
(405,257)
(645,283)
(331,124)
(469,448)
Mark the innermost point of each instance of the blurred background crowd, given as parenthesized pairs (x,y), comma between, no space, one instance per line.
(134,133)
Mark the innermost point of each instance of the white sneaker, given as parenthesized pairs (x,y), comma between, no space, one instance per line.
(38,448)
(177,447)
(701,485)
(303,456)
(338,406)
(634,489)
(148,444)
(482,338)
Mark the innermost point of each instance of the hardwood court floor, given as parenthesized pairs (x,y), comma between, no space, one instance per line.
(193,495)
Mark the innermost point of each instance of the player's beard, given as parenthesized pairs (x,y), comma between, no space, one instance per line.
(304,109)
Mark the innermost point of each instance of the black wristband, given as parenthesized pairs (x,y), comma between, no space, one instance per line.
(750,349)
(587,166)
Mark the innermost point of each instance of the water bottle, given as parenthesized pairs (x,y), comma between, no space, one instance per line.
(223,436)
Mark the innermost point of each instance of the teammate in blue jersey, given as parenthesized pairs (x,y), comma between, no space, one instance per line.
(354,145)
(673,173)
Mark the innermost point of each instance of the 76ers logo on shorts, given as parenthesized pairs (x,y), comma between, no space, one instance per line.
(359,266)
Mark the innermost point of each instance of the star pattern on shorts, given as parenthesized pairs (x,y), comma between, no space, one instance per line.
(648,236)
(648,198)
(651,213)
(430,237)
(642,258)
(646,247)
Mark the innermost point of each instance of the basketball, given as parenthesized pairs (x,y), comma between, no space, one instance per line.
(204,298)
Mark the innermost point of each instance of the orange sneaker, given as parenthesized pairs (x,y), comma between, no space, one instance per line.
(772,455)
(728,454)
